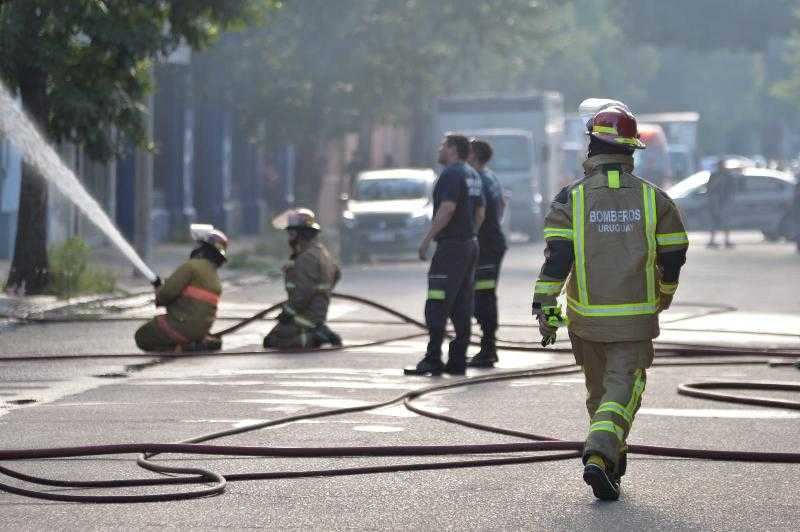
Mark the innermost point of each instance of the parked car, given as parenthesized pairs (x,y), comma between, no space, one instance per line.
(763,201)
(388,211)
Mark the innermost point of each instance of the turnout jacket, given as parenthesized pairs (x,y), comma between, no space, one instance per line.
(191,295)
(618,243)
(310,277)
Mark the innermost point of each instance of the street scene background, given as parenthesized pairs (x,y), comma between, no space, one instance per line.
(229,112)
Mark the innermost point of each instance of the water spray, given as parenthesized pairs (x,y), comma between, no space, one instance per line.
(39,154)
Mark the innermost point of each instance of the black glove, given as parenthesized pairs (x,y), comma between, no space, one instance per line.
(156,283)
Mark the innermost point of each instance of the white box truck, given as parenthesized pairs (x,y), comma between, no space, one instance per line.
(526,133)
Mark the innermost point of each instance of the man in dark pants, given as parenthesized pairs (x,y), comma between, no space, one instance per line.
(458,213)
(492,244)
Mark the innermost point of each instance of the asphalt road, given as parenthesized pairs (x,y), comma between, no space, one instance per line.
(141,398)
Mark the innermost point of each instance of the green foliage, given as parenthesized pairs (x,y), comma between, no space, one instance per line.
(705,24)
(319,69)
(85,64)
(266,257)
(71,274)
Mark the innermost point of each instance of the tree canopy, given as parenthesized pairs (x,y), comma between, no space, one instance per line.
(82,68)
(91,58)
(705,24)
(316,70)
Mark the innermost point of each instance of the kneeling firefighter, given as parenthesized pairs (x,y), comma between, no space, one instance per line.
(618,243)
(191,295)
(310,277)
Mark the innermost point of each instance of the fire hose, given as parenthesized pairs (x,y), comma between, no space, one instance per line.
(560,449)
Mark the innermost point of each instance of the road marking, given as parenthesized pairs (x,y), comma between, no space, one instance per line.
(720,413)
(325,403)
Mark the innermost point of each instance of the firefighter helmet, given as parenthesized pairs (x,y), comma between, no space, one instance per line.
(206,235)
(615,125)
(296,219)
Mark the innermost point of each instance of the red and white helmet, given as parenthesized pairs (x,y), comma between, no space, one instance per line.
(615,125)
(206,234)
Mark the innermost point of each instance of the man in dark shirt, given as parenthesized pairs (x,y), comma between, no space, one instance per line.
(457,214)
(492,245)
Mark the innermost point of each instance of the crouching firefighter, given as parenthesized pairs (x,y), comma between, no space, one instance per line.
(191,295)
(310,277)
(618,243)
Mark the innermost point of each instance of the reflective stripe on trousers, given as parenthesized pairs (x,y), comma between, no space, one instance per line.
(163,323)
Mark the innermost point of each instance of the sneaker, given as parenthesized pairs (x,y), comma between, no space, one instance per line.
(426,367)
(604,486)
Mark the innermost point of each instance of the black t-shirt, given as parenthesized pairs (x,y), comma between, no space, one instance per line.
(461,184)
(490,236)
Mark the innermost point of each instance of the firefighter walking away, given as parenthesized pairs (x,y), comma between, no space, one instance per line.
(618,243)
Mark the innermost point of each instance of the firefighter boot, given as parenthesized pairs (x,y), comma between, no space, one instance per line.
(486,357)
(603,483)
(622,465)
(209,343)
(455,368)
(327,336)
(427,366)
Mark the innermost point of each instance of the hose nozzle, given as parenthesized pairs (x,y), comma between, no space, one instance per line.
(156,283)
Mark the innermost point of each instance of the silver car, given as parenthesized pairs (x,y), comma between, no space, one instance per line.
(389,212)
(762,202)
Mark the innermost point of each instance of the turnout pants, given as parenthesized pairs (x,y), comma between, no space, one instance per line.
(451,279)
(163,334)
(615,375)
(486,275)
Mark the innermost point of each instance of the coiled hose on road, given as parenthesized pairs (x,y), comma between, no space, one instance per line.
(536,443)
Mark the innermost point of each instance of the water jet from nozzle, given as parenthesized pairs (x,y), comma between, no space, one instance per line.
(39,154)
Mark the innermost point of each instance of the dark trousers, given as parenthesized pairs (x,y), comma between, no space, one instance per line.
(486,274)
(451,279)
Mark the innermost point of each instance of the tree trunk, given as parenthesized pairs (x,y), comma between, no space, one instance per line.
(309,170)
(311,154)
(29,272)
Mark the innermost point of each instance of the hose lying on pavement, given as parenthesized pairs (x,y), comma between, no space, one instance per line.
(538,443)
(684,349)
